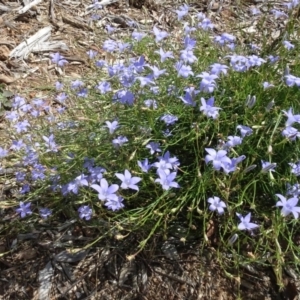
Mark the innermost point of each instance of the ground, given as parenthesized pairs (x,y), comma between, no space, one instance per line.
(39,264)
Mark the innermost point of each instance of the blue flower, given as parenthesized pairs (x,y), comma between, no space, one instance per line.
(85,212)
(169,119)
(208,108)
(45,213)
(128,182)
(245,222)
(159,34)
(112,126)
(288,206)
(144,165)
(24,209)
(58,59)
(106,192)
(216,204)
(166,179)
(114,204)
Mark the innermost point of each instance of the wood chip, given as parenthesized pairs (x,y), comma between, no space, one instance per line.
(76,23)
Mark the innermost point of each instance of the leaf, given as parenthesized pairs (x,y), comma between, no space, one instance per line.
(7,93)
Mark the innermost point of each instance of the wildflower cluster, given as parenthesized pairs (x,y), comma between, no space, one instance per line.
(166,133)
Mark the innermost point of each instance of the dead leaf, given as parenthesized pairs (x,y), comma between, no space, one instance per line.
(4,52)
(26,254)
(6,79)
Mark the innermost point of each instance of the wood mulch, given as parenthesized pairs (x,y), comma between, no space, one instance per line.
(43,264)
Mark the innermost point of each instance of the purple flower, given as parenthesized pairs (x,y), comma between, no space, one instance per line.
(267,166)
(106,192)
(166,179)
(245,222)
(100,63)
(123,46)
(85,212)
(206,24)
(239,63)
(110,29)
(244,130)
(103,87)
(24,209)
(50,143)
(216,204)
(144,165)
(231,167)
(217,69)
(96,173)
(62,97)
(58,59)
(273,58)
(119,141)
(169,119)
(255,11)
(219,159)
(159,34)
(288,45)
(189,43)
(254,60)
(154,147)
(295,168)
(3,152)
(92,54)
(112,126)
(291,117)
(38,172)
(18,102)
(25,189)
(225,38)
(188,99)
(22,126)
(128,182)
(78,182)
(145,80)
(151,103)
(109,45)
(293,190)
(114,204)
(156,71)
(233,141)
(291,80)
(208,108)
(201,16)
(12,116)
(45,213)
(58,86)
(124,97)
(164,55)
(182,11)
(20,176)
(188,29)
(138,36)
(83,93)
(288,206)
(76,84)
(267,85)
(291,133)
(187,56)
(278,13)
(183,70)
(17,145)
(208,83)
